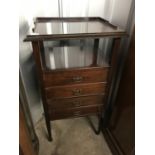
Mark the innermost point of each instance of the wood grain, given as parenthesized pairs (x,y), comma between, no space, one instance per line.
(76,102)
(74,112)
(75,90)
(67,77)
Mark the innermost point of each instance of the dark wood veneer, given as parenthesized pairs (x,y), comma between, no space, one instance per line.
(65,77)
(75,102)
(74,112)
(75,90)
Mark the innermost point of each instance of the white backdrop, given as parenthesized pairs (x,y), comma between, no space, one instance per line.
(116,11)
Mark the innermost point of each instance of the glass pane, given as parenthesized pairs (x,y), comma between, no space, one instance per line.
(75,53)
(68,27)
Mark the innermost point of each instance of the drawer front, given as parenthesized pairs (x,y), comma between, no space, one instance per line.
(75,76)
(75,102)
(75,90)
(75,112)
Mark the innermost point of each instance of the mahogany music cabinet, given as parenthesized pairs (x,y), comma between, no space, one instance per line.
(75,60)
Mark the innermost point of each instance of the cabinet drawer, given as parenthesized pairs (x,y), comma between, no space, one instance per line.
(75,76)
(75,90)
(75,102)
(75,112)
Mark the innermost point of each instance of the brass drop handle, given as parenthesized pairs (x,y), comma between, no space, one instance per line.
(77,79)
(77,91)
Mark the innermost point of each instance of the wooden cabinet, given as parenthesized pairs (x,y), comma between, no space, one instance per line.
(76,59)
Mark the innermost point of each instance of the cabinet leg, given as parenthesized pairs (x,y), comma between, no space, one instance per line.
(98,130)
(48,125)
(99,126)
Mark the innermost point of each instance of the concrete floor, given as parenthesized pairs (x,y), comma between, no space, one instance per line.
(71,137)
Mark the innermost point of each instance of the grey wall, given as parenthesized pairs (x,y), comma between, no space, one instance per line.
(28,73)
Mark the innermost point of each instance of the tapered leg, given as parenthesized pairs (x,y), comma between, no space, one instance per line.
(97,131)
(99,126)
(48,125)
(38,46)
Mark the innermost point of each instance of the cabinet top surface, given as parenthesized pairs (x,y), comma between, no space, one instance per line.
(47,28)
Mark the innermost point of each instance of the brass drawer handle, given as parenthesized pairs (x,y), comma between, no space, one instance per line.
(76,103)
(77,79)
(77,91)
(76,113)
